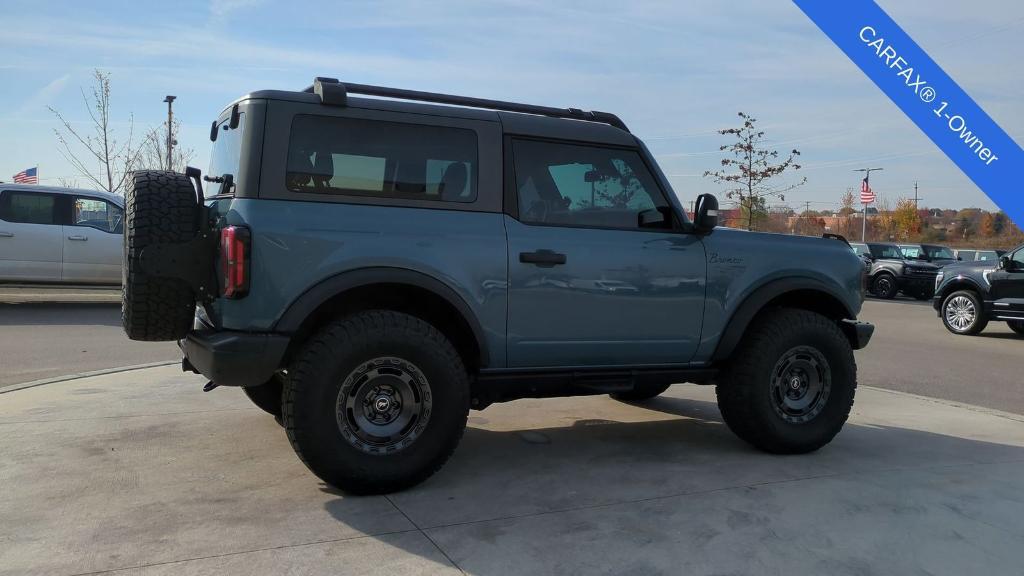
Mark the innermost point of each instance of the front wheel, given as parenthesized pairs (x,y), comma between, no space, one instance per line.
(376,402)
(962,313)
(1017,326)
(884,286)
(789,386)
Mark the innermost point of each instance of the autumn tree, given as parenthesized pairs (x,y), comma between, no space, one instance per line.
(906,218)
(988,225)
(751,170)
(99,145)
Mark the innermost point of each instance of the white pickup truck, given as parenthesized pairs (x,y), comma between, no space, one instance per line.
(60,235)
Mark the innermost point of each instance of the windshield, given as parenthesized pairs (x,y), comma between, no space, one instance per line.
(987,255)
(940,252)
(886,251)
(225,156)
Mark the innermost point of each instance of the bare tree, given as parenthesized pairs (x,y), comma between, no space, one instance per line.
(154,150)
(751,169)
(115,159)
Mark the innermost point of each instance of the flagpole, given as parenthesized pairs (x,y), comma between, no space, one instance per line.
(867,176)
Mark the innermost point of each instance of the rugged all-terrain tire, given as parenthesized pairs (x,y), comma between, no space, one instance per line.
(789,386)
(160,207)
(1017,326)
(376,402)
(884,286)
(963,313)
(268,396)
(639,394)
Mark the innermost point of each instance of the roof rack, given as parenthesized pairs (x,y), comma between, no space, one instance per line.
(334,93)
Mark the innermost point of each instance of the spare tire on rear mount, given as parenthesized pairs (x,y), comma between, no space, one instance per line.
(161,207)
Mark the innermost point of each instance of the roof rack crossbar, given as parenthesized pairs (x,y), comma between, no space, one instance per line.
(417,95)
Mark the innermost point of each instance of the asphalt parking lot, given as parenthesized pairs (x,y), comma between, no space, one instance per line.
(138,472)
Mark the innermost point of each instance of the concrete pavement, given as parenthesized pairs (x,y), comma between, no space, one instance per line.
(140,472)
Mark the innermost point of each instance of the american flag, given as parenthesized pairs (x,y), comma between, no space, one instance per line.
(27,176)
(866,195)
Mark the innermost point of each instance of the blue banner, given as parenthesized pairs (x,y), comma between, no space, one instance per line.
(925,93)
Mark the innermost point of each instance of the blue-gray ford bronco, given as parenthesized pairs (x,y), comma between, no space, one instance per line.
(370,263)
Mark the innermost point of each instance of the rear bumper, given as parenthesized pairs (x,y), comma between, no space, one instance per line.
(231,358)
(859,333)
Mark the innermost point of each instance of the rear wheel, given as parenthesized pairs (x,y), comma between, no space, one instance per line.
(160,208)
(1017,326)
(962,313)
(884,286)
(790,384)
(640,393)
(376,402)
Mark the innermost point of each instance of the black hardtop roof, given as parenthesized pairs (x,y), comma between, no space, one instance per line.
(520,119)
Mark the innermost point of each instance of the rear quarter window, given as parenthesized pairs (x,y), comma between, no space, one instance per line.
(28,207)
(333,155)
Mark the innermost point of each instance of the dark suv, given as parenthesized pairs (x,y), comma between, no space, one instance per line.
(892,272)
(968,295)
(371,269)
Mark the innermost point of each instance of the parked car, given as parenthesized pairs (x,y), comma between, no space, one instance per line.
(969,295)
(60,235)
(370,269)
(979,255)
(892,272)
(938,255)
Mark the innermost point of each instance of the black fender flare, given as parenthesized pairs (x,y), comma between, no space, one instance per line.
(757,300)
(300,309)
(958,283)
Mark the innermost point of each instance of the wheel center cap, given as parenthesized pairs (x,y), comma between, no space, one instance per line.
(794,382)
(382,404)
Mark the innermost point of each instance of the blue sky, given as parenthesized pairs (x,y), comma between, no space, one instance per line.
(674,71)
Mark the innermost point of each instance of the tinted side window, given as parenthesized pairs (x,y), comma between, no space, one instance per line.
(1018,259)
(98,214)
(388,159)
(578,185)
(28,207)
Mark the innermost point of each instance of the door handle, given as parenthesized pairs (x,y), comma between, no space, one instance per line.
(79,238)
(6,234)
(542,258)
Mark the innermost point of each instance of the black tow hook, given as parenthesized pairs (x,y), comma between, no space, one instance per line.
(210,386)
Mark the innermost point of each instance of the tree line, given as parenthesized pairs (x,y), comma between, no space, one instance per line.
(752,173)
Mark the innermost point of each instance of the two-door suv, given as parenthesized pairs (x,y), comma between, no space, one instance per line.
(370,269)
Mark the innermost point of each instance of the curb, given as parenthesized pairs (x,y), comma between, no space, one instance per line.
(56,379)
(952,403)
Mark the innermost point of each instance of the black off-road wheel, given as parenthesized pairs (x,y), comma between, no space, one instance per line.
(641,393)
(963,314)
(1017,326)
(884,286)
(789,386)
(268,396)
(376,402)
(160,207)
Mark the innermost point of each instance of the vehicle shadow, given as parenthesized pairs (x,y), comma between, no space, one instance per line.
(511,476)
(61,314)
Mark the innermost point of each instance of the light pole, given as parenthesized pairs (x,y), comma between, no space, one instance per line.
(170,137)
(867,177)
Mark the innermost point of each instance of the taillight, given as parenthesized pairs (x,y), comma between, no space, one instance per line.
(234,261)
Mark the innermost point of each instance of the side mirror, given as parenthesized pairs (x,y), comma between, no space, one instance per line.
(705,214)
(1005,263)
